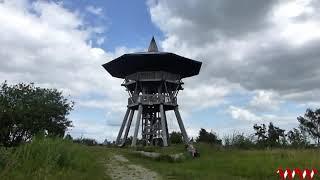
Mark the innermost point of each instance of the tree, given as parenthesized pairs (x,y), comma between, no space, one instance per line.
(260,132)
(310,123)
(271,136)
(276,136)
(26,110)
(208,137)
(175,138)
(68,137)
(297,138)
(239,140)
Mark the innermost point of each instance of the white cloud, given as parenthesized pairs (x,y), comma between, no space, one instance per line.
(203,96)
(243,114)
(90,128)
(286,19)
(265,101)
(100,40)
(114,106)
(94,10)
(39,46)
(249,117)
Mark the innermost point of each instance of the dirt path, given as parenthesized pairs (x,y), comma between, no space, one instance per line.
(119,167)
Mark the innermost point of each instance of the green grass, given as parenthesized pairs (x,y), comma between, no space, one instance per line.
(60,159)
(219,163)
(52,159)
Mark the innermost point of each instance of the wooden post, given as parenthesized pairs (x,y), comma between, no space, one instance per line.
(122,126)
(128,127)
(136,130)
(183,130)
(165,118)
(163,126)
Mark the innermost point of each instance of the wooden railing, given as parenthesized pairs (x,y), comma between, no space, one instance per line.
(150,99)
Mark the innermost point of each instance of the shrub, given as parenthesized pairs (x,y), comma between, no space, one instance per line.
(175,138)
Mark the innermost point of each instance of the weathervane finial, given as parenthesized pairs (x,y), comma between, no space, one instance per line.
(153,46)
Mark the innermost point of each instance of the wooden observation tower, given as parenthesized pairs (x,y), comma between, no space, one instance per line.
(153,80)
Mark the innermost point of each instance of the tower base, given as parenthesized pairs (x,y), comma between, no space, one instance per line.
(154,126)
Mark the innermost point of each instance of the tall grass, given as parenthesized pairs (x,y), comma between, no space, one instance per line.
(47,158)
(232,163)
(4,157)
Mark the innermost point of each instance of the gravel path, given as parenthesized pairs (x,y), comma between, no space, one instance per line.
(119,167)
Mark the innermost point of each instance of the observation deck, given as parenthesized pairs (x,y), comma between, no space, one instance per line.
(152,99)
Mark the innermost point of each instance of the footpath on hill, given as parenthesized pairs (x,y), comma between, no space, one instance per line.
(119,167)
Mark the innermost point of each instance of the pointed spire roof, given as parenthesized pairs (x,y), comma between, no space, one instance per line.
(153,46)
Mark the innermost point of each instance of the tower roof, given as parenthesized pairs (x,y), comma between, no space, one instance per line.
(153,46)
(153,60)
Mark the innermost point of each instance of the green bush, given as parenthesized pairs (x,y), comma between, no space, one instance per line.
(175,138)
(27,110)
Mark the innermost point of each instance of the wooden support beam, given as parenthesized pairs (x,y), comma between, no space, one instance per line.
(165,117)
(183,130)
(163,126)
(122,126)
(136,130)
(128,126)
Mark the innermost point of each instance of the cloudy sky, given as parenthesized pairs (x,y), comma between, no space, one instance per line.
(260,58)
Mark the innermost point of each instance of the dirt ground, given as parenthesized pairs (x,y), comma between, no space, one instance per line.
(119,167)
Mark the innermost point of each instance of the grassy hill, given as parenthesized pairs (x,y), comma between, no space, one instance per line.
(61,159)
